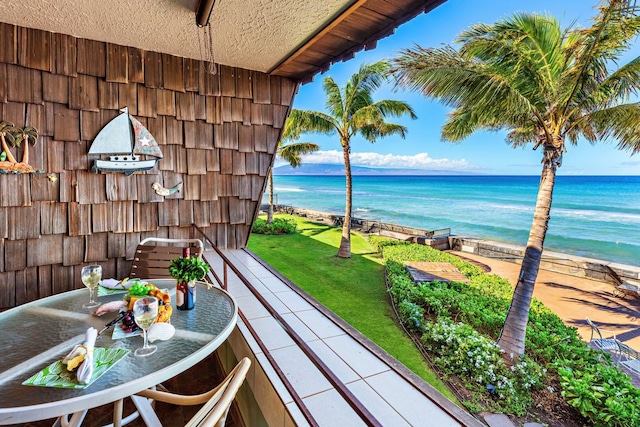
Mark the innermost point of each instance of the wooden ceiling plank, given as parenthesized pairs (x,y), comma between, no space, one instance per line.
(386,15)
(320,35)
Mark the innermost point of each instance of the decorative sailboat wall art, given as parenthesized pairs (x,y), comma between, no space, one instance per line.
(125,139)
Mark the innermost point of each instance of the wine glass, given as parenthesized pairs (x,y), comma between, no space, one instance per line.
(145,312)
(91,276)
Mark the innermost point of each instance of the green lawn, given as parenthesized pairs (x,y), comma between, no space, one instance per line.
(352,288)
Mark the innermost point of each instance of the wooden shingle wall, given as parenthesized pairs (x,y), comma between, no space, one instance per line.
(218,134)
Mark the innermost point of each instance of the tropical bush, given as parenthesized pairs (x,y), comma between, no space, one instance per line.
(277,226)
(460,322)
(462,351)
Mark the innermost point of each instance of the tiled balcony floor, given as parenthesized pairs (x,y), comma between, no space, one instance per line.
(383,391)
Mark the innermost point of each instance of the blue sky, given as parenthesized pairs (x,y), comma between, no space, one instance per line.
(483,152)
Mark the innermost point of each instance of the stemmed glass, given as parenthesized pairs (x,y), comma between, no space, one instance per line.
(145,312)
(91,276)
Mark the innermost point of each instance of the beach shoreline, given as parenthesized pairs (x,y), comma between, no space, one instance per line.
(557,262)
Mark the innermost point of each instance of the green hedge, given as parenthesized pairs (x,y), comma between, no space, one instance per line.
(277,226)
(460,323)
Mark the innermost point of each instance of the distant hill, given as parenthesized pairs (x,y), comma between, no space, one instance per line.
(335,169)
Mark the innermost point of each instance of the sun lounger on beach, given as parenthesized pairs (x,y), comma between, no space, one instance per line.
(628,287)
(601,343)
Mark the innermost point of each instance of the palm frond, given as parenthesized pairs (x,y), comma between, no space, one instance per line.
(460,124)
(374,131)
(9,129)
(521,136)
(618,86)
(445,75)
(335,102)
(29,134)
(394,108)
(595,47)
(464,121)
(292,153)
(301,121)
(360,87)
(621,122)
(525,48)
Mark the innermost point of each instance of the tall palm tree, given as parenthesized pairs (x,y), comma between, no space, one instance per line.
(28,135)
(351,111)
(292,153)
(7,130)
(546,86)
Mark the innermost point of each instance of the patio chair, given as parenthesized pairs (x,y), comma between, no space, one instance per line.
(631,356)
(217,401)
(151,261)
(601,343)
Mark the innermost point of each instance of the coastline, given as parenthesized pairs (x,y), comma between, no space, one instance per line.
(604,271)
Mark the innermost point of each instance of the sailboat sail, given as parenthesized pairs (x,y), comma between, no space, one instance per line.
(145,143)
(125,138)
(114,138)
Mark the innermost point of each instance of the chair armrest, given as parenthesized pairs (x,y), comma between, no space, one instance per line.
(629,352)
(177,399)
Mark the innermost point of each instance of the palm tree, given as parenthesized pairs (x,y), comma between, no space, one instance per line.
(30,136)
(351,111)
(292,153)
(547,87)
(7,130)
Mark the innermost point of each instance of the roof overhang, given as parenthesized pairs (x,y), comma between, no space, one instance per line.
(290,38)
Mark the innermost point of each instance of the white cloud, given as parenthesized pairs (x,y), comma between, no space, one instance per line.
(414,161)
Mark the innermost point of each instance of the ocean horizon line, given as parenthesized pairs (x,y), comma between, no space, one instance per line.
(447,174)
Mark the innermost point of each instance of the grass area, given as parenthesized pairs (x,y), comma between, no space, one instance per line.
(352,288)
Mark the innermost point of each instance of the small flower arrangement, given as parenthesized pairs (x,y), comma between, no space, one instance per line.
(188,269)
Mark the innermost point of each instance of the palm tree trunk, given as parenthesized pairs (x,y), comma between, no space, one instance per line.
(5,148)
(345,243)
(512,337)
(25,154)
(270,209)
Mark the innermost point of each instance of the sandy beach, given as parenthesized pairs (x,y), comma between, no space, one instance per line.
(574,298)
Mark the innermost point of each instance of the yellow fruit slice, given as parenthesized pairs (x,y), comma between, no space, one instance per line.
(76,361)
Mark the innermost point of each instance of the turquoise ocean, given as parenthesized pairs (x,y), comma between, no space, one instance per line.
(592,216)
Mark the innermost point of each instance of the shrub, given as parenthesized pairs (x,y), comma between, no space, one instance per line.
(601,393)
(412,315)
(470,317)
(380,242)
(462,351)
(277,226)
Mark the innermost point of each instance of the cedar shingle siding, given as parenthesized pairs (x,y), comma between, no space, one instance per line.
(217,133)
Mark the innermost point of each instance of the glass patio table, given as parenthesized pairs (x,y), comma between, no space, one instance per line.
(36,334)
